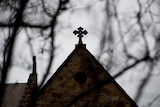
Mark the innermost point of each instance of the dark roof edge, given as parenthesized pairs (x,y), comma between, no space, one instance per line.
(61,66)
(112,79)
(83,46)
(14,83)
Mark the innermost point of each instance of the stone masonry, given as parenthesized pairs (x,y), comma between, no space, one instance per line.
(79,77)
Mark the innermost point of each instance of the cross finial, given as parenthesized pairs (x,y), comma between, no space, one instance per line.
(80,32)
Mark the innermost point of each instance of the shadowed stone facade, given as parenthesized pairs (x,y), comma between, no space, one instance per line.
(13,94)
(81,81)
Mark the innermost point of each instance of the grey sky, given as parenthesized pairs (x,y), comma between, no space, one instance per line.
(92,21)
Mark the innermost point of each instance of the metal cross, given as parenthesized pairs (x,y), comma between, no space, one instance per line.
(80,33)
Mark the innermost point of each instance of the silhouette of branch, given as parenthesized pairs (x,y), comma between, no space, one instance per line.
(107,41)
(12,39)
(45,9)
(143,83)
(107,38)
(25,25)
(139,18)
(52,36)
(153,101)
(29,43)
(129,55)
(100,84)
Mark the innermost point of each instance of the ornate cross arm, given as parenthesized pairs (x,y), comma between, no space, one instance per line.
(80,32)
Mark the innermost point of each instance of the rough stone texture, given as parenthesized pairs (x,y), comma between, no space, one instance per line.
(27,98)
(63,87)
(13,94)
(80,81)
(21,94)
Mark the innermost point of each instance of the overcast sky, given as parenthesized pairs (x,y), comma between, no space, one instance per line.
(66,40)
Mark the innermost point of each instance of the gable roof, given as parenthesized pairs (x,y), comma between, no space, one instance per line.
(83,48)
(13,94)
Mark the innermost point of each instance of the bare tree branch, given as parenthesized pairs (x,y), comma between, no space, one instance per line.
(143,83)
(24,24)
(153,101)
(52,36)
(11,46)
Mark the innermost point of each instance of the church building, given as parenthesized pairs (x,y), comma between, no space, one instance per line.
(81,81)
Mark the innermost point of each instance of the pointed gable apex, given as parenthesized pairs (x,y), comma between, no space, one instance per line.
(79,72)
(81,48)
